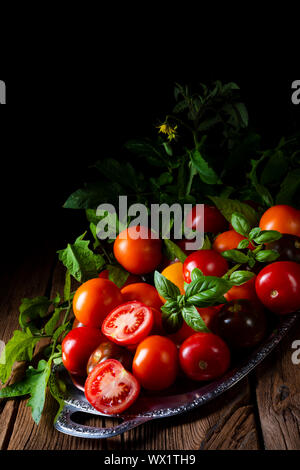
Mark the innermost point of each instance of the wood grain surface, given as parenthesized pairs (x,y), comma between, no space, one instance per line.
(261,412)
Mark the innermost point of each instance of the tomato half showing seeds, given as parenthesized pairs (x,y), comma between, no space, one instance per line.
(204,356)
(209,262)
(142,292)
(77,347)
(110,388)
(155,363)
(129,323)
(278,287)
(139,255)
(94,299)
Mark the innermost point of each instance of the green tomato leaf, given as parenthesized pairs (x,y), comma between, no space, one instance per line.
(19,348)
(165,288)
(206,173)
(240,224)
(31,309)
(173,251)
(192,317)
(51,324)
(289,189)
(82,263)
(117,275)
(228,206)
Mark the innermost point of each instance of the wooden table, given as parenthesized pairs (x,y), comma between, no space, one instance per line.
(261,412)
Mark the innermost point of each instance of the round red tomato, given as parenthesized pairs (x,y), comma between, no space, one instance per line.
(186,331)
(245,291)
(214,221)
(228,241)
(131,279)
(209,262)
(142,292)
(94,299)
(283,218)
(155,363)
(278,287)
(110,388)
(138,256)
(128,323)
(204,356)
(77,347)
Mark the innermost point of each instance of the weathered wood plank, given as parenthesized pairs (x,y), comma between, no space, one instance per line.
(30,279)
(226,423)
(278,396)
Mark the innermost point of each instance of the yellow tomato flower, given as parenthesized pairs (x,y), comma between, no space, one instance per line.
(168,130)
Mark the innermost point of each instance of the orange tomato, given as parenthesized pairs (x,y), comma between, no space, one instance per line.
(228,241)
(283,218)
(142,292)
(174,272)
(245,291)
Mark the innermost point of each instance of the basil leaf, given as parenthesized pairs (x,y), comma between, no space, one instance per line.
(267,236)
(243,244)
(171,317)
(254,232)
(266,256)
(240,224)
(236,256)
(206,291)
(173,251)
(193,319)
(196,274)
(165,288)
(240,277)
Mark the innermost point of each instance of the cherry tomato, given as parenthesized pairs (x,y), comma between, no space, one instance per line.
(174,273)
(109,350)
(157,328)
(155,363)
(110,388)
(241,323)
(128,323)
(77,324)
(214,221)
(138,256)
(94,299)
(245,291)
(204,356)
(288,248)
(186,331)
(132,279)
(184,243)
(228,241)
(77,347)
(142,292)
(209,262)
(283,218)
(278,287)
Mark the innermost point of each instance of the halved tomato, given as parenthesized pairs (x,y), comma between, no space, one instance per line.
(110,388)
(128,323)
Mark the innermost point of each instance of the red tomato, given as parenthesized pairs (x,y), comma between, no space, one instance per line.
(183,244)
(77,347)
(284,219)
(209,262)
(132,279)
(128,323)
(110,388)
(155,363)
(142,292)
(77,324)
(214,221)
(94,299)
(204,356)
(228,241)
(245,291)
(138,256)
(157,328)
(186,331)
(278,287)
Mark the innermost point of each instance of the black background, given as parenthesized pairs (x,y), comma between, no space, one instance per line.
(54,127)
